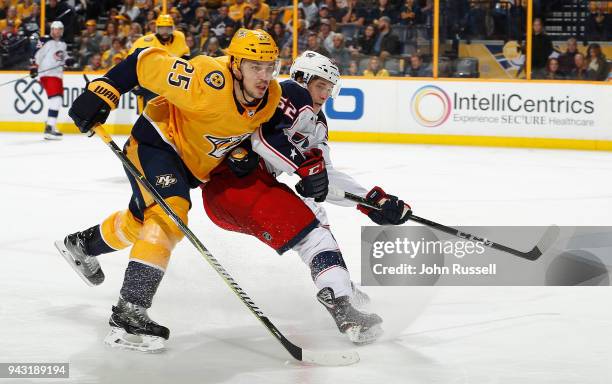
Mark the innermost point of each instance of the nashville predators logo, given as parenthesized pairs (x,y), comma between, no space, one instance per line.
(223,145)
(215,79)
(165,181)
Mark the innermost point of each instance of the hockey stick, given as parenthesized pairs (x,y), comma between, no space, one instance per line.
(321,358)
(25,77)
(545,242)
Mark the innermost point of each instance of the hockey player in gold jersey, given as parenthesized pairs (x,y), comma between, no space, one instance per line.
(206,107)
(166,38)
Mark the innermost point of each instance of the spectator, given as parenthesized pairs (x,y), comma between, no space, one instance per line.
(110,32)
(323,14)
(226,36)
(204,36)
(355,14)
(333,11)
(11,16)
(313,44)
(325,33)
(285,59)
(541,46)
(386,42)
(353,69)
(236,10)
(25,9)
(425,14)
(366,42)
(551,71)
(61,11)
(261,10)
(34,15)
(95,63)
(221,20)
(201,17)
(135,34)
(417,68)
(194,50)
(302,37)
(566,60)
(374,68)
(383,10)
(93,36)
(248,20)
(311,11)
(580,71)
(410,13)
(339,53)
(212,49)
(117,48)
(598,68)
(176,16)
(599,25)
(129,9)
(475,22)
(279,34)
(123,25)
(516,19)
(187,10)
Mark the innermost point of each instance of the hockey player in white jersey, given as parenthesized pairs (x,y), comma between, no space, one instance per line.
(49,61)
(243,194)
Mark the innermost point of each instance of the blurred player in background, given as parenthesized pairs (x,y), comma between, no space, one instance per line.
(166,38)
(49,60)
(207,106)
(243,194)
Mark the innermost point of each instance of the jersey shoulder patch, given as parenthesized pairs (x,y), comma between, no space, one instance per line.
(215,79)
(147,39)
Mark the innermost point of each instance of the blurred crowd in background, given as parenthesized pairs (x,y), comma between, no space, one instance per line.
(365,37)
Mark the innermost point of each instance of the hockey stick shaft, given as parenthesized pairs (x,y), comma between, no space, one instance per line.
(549,236)
(27,76)
(293,349)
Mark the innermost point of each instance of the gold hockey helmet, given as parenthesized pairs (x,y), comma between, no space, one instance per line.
(164,21)
(252,44)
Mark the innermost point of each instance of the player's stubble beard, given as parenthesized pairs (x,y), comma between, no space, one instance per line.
(246,94)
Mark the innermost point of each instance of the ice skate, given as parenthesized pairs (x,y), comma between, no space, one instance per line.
(132,329)
(73,249)
(359,327)
(52,133)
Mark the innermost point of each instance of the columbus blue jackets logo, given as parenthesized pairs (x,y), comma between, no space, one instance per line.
(223,145)
(215,79)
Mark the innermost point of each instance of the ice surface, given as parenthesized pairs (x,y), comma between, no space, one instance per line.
(434,335)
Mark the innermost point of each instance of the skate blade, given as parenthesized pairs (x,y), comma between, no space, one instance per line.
(52,137)
(92,281)
(118,338)
(359,337)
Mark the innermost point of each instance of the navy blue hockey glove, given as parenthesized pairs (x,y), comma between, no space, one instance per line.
(242,161)
(314,181)
(94,105)
(393,212)
(69,62)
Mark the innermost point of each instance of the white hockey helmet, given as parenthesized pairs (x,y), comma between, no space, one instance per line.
(57,25)
(310,64)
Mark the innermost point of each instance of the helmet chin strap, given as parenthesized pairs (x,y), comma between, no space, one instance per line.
(244,95)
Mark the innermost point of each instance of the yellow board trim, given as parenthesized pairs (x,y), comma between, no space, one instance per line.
(479,141)
(376,137)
